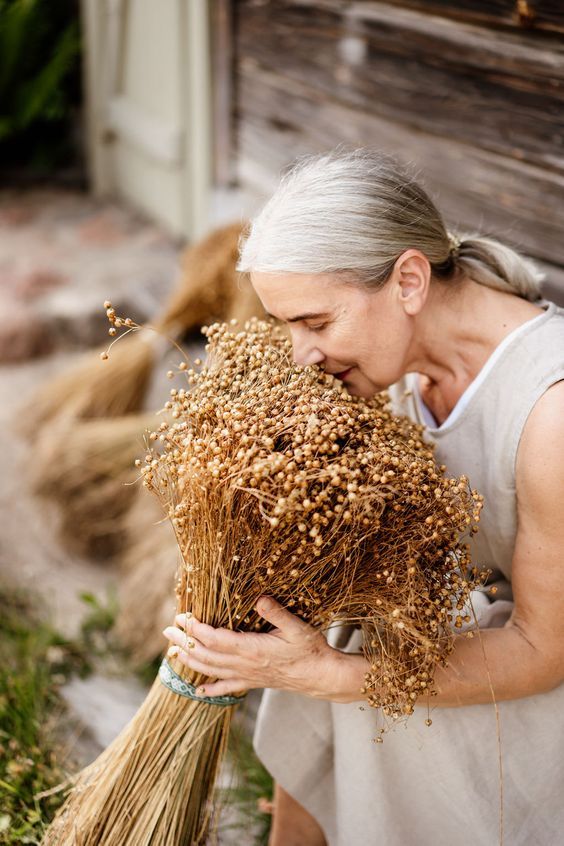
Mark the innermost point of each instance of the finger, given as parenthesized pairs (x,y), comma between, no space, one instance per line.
(222,640)
(184,619)
(223,688)
(198,651)
(202,667)
(180,637)
(288,624)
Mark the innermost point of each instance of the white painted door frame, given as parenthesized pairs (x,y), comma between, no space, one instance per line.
(183,145)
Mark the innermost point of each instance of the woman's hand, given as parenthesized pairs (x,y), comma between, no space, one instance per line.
(294,656)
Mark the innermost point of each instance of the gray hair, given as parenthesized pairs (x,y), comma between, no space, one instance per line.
(353,212)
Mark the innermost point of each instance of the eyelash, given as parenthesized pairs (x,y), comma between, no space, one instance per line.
(318,328)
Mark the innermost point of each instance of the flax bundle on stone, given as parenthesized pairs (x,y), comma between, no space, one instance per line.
(278,482)
(209,288)
(86,467)
(79,418)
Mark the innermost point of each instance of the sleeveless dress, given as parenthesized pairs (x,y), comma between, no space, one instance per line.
(439,785)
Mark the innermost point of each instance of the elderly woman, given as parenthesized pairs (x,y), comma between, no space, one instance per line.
(354,257)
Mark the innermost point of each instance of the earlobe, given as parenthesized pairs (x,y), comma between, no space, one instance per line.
(411,305)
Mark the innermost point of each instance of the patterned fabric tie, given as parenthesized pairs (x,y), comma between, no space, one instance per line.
(177,684)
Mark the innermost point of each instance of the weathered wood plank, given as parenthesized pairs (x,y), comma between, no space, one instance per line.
(279,118)
(222,66)
(501,91)
(538,16)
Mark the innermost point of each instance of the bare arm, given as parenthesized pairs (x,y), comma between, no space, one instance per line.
(527,655)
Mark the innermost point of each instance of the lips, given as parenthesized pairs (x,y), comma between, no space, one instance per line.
(343,374)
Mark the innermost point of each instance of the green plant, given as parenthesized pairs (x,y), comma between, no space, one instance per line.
(39,77)
(34,662)
(96,627)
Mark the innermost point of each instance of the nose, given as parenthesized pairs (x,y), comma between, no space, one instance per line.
(305,350)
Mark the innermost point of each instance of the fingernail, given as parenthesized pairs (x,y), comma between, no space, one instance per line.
(182,617)
(201,691)
(173,651)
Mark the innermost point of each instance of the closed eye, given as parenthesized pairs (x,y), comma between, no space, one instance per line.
(318,328)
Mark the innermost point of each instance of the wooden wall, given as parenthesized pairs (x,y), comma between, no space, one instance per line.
(474,96)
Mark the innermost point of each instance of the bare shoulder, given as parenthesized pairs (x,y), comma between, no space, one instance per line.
(540,457)
(546,419)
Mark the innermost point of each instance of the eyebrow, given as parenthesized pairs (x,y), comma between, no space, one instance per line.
(309,315)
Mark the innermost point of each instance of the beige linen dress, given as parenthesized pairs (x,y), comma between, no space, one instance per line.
(439,785)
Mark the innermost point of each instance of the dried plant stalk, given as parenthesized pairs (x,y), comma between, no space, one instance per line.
(148,564)
(278,482)
(208,289)
(84,392)
(86,467)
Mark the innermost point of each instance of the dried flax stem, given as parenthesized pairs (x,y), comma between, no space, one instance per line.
(278,482)
(146,787)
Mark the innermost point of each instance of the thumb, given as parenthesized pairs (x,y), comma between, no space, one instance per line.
(288,624)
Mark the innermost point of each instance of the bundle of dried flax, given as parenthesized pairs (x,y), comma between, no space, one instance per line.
(86,467)
(278,482)
(209,288)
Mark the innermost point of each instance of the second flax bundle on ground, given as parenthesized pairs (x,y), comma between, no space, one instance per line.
(279,483)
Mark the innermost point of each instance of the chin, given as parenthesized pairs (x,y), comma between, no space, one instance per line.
(364,391)
(359,392)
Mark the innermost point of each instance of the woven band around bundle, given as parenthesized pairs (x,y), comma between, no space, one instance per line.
(178,685)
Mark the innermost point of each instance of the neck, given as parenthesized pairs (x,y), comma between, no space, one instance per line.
(456,333)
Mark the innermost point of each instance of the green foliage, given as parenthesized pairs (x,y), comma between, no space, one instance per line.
(34,662)
(96,627)
(252,786)
(39,76)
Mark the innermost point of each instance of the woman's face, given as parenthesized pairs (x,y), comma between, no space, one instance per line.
(362,336)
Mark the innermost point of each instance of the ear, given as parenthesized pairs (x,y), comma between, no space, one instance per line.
(413,275)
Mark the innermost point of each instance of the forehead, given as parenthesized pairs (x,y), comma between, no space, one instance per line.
(282,293)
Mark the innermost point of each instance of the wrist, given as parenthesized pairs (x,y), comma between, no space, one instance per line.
(345,678)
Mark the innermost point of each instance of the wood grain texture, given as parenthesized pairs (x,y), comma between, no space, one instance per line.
(520,203)
(495,90)
(462,90)
(545,16)
(222,45)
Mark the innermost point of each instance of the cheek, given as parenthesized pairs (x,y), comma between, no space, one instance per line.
(381,362)
(348,342)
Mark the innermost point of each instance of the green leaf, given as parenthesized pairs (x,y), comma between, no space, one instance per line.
(41,96)
(89,599)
